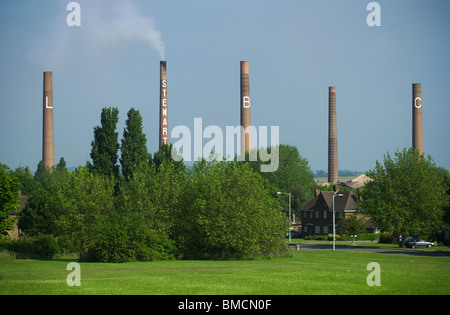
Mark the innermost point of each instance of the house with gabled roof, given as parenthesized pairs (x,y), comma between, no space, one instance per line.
(317,214)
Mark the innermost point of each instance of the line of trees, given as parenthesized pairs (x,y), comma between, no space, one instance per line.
(216,210)
(142,207)
(152,207)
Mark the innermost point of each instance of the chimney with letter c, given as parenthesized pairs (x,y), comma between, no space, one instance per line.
(417,136)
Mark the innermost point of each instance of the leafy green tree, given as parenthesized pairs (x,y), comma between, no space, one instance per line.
(164,156)
(139,227)
(27,182)
(84,202)
(62,165)
(9,198)
(42,173)
(134,145)
(292,176)
(42,207)
(51,179)
(228,211)
(445,175)
(105,146)
(40,214)
(152,194)
(406,196)
(353,224)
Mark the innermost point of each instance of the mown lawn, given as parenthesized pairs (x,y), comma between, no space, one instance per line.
(306,272)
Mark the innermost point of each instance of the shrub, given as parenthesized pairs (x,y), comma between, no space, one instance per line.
(45,246)
(330,237)
(126,239)
(3,242)
(386,239)
(111,245)
(318,237)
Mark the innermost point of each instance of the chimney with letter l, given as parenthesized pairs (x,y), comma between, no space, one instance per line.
(48,146)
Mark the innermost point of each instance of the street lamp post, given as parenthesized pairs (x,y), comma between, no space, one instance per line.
(334,220)
(289,194)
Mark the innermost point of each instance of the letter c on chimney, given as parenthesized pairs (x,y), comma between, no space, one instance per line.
(415,102)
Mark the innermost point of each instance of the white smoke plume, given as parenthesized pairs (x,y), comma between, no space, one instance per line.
(128,25)
(107,27)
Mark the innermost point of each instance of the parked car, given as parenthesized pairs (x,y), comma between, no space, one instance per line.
(417,242)
(294,234)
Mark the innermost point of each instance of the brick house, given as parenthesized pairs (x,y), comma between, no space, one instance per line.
(317,214)
(15,232)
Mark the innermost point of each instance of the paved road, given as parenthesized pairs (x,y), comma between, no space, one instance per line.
(398,251)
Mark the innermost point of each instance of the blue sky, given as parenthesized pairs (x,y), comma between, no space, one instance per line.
(296,50)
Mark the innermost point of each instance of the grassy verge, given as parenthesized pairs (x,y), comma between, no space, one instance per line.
(373,244)
(356,243)
(308,272)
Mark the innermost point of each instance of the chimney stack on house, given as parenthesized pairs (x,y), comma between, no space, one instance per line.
(316,192)
(336,187)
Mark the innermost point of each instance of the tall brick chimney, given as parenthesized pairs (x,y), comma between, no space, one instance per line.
(333,172)
(48,146)
(163,108)
(246,137)
(417,129)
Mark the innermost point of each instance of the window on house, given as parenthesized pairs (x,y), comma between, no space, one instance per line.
(317,215)
(325,229)
(317,231)
(325,213)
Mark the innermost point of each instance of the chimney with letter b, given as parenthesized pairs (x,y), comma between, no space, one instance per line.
(246,135)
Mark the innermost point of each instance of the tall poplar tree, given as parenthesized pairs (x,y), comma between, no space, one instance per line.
(134,144)
(105,147)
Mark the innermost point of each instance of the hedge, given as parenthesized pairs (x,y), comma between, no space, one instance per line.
(38,247)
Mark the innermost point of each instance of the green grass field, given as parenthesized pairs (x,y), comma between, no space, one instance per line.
(306,272)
